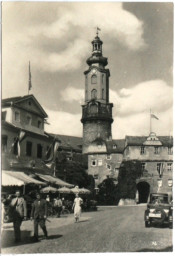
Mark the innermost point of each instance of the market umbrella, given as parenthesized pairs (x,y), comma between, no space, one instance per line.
(75,190)
(84,191)
(48,189)
(64,190)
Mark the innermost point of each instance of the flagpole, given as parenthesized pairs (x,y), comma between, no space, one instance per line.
(29,78)
(150,122)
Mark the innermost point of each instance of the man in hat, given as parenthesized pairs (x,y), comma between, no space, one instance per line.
(18,212)
(39,213)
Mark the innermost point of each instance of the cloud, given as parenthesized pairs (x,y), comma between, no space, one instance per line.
(131,108)
(72,25)
(155,95)
(64,123)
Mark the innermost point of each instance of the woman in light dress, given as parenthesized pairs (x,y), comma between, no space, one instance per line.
(77,207)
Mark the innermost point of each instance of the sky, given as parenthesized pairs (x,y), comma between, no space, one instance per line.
(56,38)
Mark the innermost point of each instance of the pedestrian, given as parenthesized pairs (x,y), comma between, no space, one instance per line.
(48,198)
(39,214)
(18,212)
(58,206)
(77,207)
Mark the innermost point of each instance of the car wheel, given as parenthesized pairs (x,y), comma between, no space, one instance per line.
(6,219)
(147,224)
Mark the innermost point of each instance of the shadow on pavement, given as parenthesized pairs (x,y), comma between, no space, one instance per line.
(53,237)
(166,249)
(8,238)
(83,221)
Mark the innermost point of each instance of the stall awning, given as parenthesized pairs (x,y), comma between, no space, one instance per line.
(54,180)
(13,178)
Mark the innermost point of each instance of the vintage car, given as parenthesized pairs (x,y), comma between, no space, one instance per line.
(159,210)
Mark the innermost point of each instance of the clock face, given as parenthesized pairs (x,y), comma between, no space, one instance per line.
(93,71)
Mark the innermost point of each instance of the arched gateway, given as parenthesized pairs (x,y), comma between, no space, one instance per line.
(143,189)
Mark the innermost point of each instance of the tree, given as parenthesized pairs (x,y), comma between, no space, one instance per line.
(74,171)
(129,171)
(108,192)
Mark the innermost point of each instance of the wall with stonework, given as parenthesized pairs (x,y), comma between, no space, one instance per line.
(101,168)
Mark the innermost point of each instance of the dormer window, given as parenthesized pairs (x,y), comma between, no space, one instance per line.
(28,120)
(114,146)
(30,103)
(17,116)
(108,157)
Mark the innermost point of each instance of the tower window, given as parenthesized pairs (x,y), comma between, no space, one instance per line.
(108,157)
(39,151)
(102,78)
(143,166)
(28,148)
(96,176)
(93,79)
(94,94)
(100,162)
(94,163)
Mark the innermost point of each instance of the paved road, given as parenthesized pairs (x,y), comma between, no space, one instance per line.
(110,229)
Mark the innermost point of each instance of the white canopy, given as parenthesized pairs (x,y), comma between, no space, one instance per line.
(13,178)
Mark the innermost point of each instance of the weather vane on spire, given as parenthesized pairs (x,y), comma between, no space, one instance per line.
(98,29)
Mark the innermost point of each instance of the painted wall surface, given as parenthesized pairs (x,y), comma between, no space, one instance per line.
(133,152)
(103,162)
(22,123)
(11,135)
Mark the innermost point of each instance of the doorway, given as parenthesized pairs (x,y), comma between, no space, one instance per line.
(143,191)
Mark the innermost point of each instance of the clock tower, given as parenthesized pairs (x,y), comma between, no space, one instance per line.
(96,111)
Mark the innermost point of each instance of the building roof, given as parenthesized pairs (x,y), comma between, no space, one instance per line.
(139,140)
(115,146)
(15,100)
(68,142)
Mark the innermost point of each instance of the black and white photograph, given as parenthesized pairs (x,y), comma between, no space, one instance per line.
(86,127)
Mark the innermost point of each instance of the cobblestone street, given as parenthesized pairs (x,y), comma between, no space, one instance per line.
(110,229)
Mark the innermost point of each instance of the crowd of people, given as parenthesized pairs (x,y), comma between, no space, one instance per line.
(17,210)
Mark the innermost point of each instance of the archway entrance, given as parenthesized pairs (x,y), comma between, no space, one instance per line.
(143,188)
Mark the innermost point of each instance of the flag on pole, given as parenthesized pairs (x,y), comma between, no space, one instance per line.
(153,116)
(52,152)
(17,141)
(30,79)
(98,29)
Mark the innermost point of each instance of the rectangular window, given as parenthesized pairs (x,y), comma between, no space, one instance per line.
(93,163)
(108,166)
(17,116)
(4,143)
(39,124)
(108,157)
(170,150)
(143,166)
(28,148)
(142,150)
(28,120)
(39,150)
(100,162)
(156,150)
(95,176)
(169,167)
(3,115)
(158,167)
(15,146)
